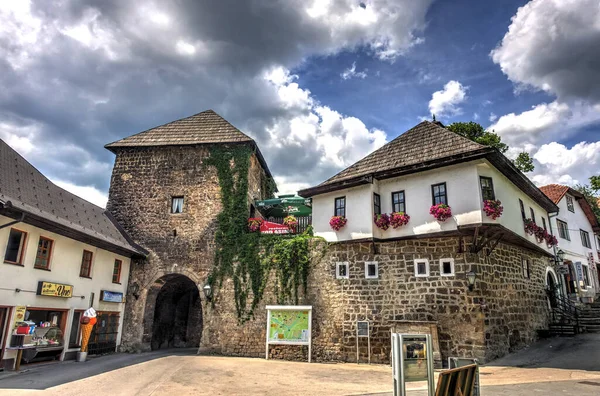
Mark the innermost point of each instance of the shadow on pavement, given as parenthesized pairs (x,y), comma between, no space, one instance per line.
(570,353)
(50,375)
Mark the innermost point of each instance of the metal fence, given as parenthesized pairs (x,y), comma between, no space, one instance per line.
(303,222)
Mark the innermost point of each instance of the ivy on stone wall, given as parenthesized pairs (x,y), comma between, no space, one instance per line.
(249,258)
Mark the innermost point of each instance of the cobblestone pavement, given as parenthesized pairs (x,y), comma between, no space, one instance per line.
(560,366)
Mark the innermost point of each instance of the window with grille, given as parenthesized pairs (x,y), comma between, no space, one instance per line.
(585,239)
(340,207)
(438,192)
(377,203)
(42,257)
(487,188)
(563,230)
(15,247)
(116,277)
(398,203)
(86,264)
(570,205)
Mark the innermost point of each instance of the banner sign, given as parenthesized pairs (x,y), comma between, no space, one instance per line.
(113,297)
(268,227)
(579,269)
(289,324)
(51,289)
(19,315)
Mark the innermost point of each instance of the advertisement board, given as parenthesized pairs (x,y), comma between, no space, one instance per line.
(113,297)
(52,289)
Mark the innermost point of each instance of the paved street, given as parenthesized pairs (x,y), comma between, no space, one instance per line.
(566,366)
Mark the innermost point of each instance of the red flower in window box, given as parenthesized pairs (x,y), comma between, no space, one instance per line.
(551,240)
(493,208)
(254,224)
(530,226)
(337,222)
(382,221)
(291,222)
(398,219)
(441,212)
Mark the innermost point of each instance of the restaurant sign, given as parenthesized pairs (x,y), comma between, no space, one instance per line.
(113,297)
(51,289)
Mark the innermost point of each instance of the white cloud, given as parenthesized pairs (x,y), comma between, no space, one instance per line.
(552,45)
(493,117)
(556,163)
(475,116)
(352,73)
(446,102)
(89,193)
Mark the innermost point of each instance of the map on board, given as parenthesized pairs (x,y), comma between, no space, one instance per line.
(289,326)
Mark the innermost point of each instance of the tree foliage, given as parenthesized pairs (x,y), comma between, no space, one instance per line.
(591,193)
(475,132)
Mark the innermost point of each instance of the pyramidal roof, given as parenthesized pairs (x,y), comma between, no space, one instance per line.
(426,142)
(24,189)
(202,128)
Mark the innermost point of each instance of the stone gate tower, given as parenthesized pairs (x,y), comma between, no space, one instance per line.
(168,201)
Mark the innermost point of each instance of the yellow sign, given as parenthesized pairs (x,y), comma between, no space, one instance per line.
(19,315)
(54,290)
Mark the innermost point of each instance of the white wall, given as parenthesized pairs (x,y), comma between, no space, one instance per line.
(574,249)
(464,197)
(65,264)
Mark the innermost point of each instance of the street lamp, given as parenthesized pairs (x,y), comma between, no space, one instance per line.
(135,290)
(471,276)
(207,289)
(560,256)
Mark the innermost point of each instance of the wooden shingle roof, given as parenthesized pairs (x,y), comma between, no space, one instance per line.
(426,146)
(201,128)
(24,189)
(206,127)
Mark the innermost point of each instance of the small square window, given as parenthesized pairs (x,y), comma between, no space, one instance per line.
(177,205)
(371,269)
(421,267)
(44,252)
(487,188)
(342,270)
(340,206)
(398,202)
(570,205)
(447,267)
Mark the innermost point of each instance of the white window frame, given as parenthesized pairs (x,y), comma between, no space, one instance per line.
(337,270)
(451,261)
(424,261)
(376,264)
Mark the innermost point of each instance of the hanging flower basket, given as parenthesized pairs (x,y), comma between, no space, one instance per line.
(382,221)
(399,219)
(291,222)
(493,208)
(337,222)
(254,224)
(441,212)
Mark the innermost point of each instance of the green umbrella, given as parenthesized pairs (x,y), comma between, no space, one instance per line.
(285,205)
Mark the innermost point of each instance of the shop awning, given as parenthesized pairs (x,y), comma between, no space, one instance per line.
(285,205)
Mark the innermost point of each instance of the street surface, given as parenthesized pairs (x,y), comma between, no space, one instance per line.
(559,366)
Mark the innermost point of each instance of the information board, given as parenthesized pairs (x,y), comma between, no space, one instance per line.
(113,297)
(289,325)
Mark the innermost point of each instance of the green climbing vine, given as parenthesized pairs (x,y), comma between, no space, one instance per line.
(249,258)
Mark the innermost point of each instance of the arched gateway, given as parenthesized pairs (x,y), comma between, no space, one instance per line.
(173,313)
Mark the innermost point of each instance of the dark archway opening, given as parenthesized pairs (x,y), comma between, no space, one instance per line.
(552,289)
(177,314)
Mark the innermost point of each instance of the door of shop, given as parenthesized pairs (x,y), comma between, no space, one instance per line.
(104,335)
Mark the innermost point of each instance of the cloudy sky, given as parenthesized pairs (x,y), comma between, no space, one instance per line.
(318,84)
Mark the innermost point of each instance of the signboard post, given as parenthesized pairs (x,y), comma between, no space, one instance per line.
(362,331)
(289,325)
(412,360)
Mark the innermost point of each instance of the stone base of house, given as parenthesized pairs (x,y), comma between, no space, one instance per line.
(501,314)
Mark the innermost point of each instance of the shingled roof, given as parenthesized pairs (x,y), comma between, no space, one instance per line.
(206,127)
(23,189)
(556,192)
(426,146)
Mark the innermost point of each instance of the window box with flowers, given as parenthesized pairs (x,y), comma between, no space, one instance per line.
(441,212)
(493,208)
(399,219)
(291,222)
(541,235)
(254,224)
(382,221)
(337,222)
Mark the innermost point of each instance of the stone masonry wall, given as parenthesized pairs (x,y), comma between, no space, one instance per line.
(143,182)
(501,314)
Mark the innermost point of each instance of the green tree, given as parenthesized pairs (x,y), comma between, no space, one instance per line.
(524,163)
(591,193)
(595,183)
(475,132)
